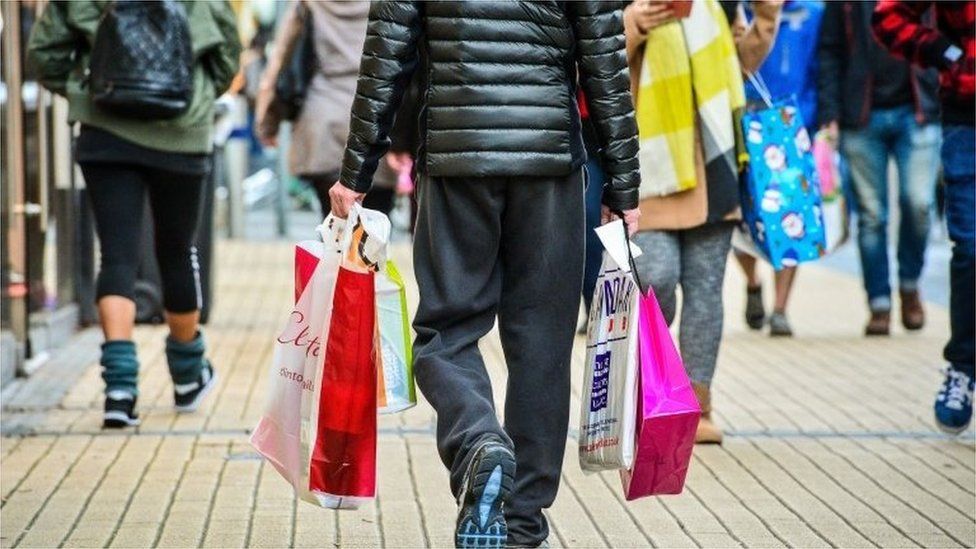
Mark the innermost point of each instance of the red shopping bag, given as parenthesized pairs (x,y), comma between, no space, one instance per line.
(306,261)
(343,462)
(667,410)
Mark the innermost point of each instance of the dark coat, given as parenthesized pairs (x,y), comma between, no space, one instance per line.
(500,90)
(847,53)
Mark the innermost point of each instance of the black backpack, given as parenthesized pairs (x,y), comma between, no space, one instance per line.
(142,60)
(297,71)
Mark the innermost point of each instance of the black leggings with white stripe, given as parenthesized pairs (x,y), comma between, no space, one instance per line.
(118,194)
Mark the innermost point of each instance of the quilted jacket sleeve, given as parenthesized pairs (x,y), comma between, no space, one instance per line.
(604,76)
(389,59)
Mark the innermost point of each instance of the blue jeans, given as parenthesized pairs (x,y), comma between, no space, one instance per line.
(915,148)
(958,154)
(594,249)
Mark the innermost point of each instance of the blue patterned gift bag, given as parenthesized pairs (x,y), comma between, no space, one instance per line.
(781,201)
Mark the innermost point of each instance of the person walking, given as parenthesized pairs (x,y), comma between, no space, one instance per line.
(687,137)
(790,69)
(950,47)
(126,156)
(881,107)
(501,224)
(319,133)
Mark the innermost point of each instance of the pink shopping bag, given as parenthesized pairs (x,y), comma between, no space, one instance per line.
(667,410)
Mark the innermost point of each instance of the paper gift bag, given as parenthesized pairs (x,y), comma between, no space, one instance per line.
(667,410)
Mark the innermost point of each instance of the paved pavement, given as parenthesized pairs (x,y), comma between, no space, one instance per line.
(829,443)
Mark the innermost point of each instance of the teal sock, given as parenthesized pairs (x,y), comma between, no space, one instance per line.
(120,366)
(185,359)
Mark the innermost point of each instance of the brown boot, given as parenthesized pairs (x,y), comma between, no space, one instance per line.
(707,432)
(879,324)
(912,313)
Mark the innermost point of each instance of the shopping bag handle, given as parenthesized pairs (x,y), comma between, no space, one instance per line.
(630,253)
(345,233)
(760,85)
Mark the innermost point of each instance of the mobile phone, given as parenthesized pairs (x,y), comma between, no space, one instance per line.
(681,8)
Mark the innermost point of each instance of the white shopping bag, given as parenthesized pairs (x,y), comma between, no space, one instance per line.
(298,352)
(609,407)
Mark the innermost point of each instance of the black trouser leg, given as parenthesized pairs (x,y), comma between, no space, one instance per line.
(543,235)
(515,247)
(321,184)
(117,196)
(456,251)
(177,202)
(379,199)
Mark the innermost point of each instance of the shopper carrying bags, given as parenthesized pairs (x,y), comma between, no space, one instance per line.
(790,70)
(690,169)
(500,228)
(133,143)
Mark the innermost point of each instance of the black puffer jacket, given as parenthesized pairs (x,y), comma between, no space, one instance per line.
(500,90)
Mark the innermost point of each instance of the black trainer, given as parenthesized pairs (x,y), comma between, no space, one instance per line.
(188,396)
(120,409)
(755,312)
(486,487)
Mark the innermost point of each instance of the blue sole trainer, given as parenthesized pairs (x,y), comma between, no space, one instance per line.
(488,484)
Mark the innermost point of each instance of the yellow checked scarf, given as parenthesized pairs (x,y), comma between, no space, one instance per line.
(690,68)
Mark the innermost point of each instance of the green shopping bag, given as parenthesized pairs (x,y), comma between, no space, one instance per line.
(395,390)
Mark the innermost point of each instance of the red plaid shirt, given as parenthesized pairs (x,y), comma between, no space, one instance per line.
(898,25)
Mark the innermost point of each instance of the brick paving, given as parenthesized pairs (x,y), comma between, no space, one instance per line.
(829,443)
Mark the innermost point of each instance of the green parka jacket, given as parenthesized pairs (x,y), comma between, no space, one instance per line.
(60,46)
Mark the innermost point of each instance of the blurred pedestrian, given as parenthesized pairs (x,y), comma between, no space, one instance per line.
(126,152)
(950,47)
(690,178)
(319,133)
(501,225)
(789,70)
(254,61)
(881,108)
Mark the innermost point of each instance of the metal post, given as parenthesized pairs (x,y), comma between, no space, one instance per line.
(236,162)
(281,194)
